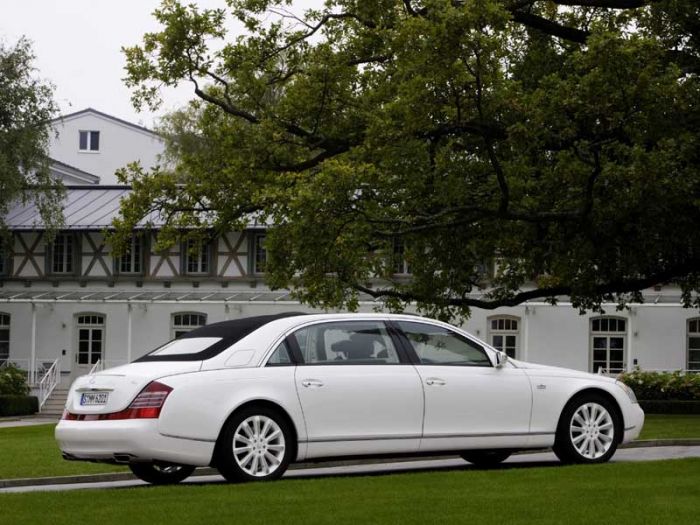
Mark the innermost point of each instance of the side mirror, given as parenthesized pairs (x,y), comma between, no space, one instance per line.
(501,359)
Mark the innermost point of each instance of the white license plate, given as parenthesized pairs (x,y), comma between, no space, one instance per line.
(94,398)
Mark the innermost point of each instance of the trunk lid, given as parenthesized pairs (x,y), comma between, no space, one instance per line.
(121,385)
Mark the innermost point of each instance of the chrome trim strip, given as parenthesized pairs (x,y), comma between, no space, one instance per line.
(188,439)
(432,436)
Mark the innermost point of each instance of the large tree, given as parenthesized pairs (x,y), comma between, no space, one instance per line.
(558,139)
(26,109)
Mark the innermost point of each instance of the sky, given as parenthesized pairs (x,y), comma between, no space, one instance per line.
(77,44)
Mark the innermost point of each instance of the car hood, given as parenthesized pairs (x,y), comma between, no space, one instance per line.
(123,383)
(537,370)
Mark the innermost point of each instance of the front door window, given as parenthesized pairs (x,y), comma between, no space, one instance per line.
(91,328)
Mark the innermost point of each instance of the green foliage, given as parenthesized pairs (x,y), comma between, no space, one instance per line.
(560,142)
(663,385)
(18,405)
(26,108)
(13,381)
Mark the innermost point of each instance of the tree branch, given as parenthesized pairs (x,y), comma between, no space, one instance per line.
(624,285)
(550,27)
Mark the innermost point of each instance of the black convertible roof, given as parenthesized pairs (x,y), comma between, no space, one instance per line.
(237,329)
(227,333)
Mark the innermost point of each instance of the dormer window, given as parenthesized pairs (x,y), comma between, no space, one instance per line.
(89,141)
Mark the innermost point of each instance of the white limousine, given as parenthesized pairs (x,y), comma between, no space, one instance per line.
(252,395)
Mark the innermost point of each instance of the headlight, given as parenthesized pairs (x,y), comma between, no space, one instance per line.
(628,391)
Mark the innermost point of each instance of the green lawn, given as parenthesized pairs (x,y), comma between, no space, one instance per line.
(646,493)
(32,451)
(671,426)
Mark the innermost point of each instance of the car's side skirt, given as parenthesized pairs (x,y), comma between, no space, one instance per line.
(342,446)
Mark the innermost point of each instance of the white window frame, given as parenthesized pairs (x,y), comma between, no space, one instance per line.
(133,257)
(694,321)
(608,333)
(259,248)
(202,260)
(5,320)
(504,331)
(88,141)
(90,321)
(400,265)
(180,328)
(67,258)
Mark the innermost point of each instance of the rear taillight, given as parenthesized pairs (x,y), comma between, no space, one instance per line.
(146,405)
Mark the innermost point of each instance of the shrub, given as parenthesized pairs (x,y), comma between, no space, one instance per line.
(13,381)
(663,385)
(18,405)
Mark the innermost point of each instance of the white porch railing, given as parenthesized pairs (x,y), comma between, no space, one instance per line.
(48,382)
(97,367)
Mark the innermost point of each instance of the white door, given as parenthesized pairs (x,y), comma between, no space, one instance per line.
(357,395)
(468,402)
(91,340)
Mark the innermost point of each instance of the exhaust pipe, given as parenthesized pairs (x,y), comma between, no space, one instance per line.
(123,459)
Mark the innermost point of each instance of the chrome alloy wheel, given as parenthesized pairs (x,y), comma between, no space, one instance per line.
(258,446)
(592,430)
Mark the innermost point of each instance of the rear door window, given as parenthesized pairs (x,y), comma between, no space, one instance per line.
(346,343)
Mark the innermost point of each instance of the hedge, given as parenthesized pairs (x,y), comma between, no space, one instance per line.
(661,386)
(18,405)
(670,406)
(13,381)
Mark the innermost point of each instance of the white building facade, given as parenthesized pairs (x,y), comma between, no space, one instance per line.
(70,301)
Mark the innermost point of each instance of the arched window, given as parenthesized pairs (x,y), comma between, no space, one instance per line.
(183,322)
(91,338)
(4,337)
(693,344)
(504,334)
(608,344)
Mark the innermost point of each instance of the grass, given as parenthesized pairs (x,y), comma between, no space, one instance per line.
(671,426)
(646,493)
(31,452)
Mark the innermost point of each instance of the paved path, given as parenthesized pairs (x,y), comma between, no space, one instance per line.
(543,459)
(27,422)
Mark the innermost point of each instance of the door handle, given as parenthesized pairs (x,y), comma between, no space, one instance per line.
(435,381)
(312,383)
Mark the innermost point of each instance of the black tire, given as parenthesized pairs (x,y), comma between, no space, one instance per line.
(565,448)
(230,465)
(486,458)
(159,473)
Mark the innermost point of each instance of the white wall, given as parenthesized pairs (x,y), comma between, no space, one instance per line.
(120,144)
(552,335)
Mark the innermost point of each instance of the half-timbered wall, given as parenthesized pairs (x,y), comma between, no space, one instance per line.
(29,255)
(92,260)
(232,255)
(95,259)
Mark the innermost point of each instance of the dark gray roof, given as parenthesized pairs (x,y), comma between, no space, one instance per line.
(87,207)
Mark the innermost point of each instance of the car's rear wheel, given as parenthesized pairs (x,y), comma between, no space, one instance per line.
(256,445)
(158,473)
(589,430)
(486,458)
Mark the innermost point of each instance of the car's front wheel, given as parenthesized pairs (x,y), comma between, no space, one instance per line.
(486,458)
(256,445)
(589,430)
(158,473)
